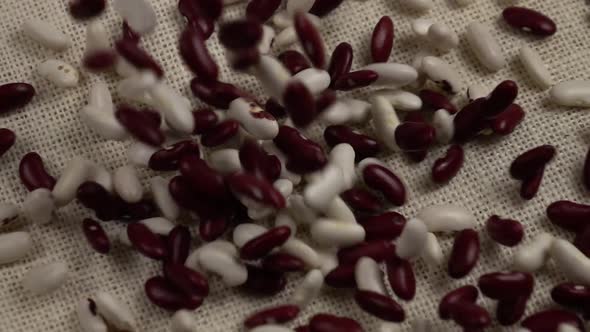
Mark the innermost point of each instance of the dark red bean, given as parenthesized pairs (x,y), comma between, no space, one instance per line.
(414,136)
(341,277)
(277,315)
(256,161)
(211,9)
(528,163)
(304,328)
(378,250)
(325,100)
(433,101)
(362,200)
(331,323)
(386,182)
(196,56)
(243,59)
(507,121)
(215,93)
(167,159)
(220,134)
(380,306)
(203,24)
(469,121)
(529,20)
(281,262)
(138,211)
(161,293)
(153,117)
(299,103)
(386,226)
(506,285)
(129,34)
(240,34)
(7,139)
(310,39)
(582,241)
(447,167)
(382,40)
(506,232)
(470,315)
(85,9)
(274,108)
(205,119)
(100,60)
(146,242)
(363,145)
(549,320)
(213,228)
(510,311)
(355,80)
(400,275)
(530,186)
(569,215)
(462,294)
(96,236)
(137,56)
(95,197)
(465,253)
(179,243)
(264,282)
(204,180)
(500,99)
(139,125)
(324,7)
(262,245)
(15,95)
(304,154)
(262,10)
(341,61)
(294,61)
(571,295)
(256,189)
(185,279)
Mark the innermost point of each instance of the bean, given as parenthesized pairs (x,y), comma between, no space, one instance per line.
(581,241)
(506,232)
(183,321)
(549,320)
(45,279)
(101,60)
(465,253)
(220,134)
(46,34)
(378,250)
(264,282)
(414,136)
(195,54)
(533,256)
(470,315)
(310,39)
(213,228)
(139,14)
(385,181)
(168,159)
(446,218)
(382,40)
(510,311)
(256,189)
(255,160)
(571,261)
(147,242)
(462,294)
(340,62)
(205,120)
(15,95)
(387,226)
(304,154)
(530,186)
(161,293)
(7,139)
(447,167)
(215,93)
(572,295)
(380,306)
(363,145)
(529,20)
(362,200)
(186,279)
(138,57)
(569,215)
(299,104)
(486,48)
(401,278)
(329,232)
(442,73)
(262,245)
(113,311)
(96,236)
(501,98)
(204,180)
(128,34)
(294,61)
(262,10)
(535,67)
(95,197)
(279,315)
(355,80)
(432,101)
(178,242)
(282,262)
(507,121)
(469,121)
(240,34)
(324,7)
(139,125)
(14,246)
(331,323)
(343,276)
(506,285)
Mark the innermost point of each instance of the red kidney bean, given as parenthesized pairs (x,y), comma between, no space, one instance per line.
(129,34)
(341,277)
(147,242)
(256,189)
(195,54)
(527,164)
(304,154)
(220,134)
(325,100)
(15,95)
(240,34)
(161,293)
(304,328)
(96,236)
(274,108)
(505,122)
(204,180)
(213,228)
(205,207)
(469,121)
(203,24)
(506,285)
(549,320)
(362,200)
(386,182)
(244,58)
(179,243)
(152,116)
(137,211)
(256,161)
(100,60)
(380,306)
(510,311)
(386,226)
(185,279)
(355,80)
(414,136)
(324,7)
(167,159)
(331,323)
(299,103)
(276,315)
(95,197)
(382,40)
(470,315)
(377,250)
(294,61)
(262,10)
(85,9)
(262,245)
(530,186)
(582,241)
(211,9)
(137,56)
(281,262)
(400,275)
(310,39)
(569,215)
(571,295)
(215,93)
(529,20)
(447,167)
(462,294)
(138,124)
(417,156)
(363,145)
(264,282)
(465,253)
(500,99)
(433,101)
(341,61)
(7,139)
(506,232)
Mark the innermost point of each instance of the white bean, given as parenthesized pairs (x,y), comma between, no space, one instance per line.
(485,46)
(336,114)
(124,68)
(412,239)
(442,121)
(368,276)
(319,194)
(339,210)
(300,211)
(303,251)
(245,112)
(571,93)
(163,199)
(61,74)
(103,123)
(45,279)
(476,91)
(114,312)
(328,260)
(284,186)
(533,256)
(329,232)
(14,246)
(39,206)
(138,14)
(273,76)
(432,254)
(564,327)
(101,175)
(232,272)
(137,87)
(420,26)
(535,67)
(74,174)
(176,111)
(46,34)
(343,156)
(443,37)
(271,328)
(97,37)
(571,261)
(298,6)
(389,327)
(8,213)
(441,72)
(192,261)
(183,321)
(446,218)
(308,289)
(268,36)
(100,97)
(418,5)
(89,322)
(393,75)
(127,184)
(281,20)
(359,110)
(285,38)
(315,80)
(385,121)
(225,161)
(283,218)
(246,232)
(139,153)
(402,100)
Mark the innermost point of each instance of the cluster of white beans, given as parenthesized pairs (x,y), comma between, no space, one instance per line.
(316,204)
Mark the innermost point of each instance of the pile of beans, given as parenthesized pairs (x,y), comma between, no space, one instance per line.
(239,163)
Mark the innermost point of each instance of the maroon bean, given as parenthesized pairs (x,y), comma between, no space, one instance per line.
(506,232)
(100,60)
(179,243)
(262,10)
(386,226)
(274,108)
(243,59)
(185,279)
(341,61)
(204,206)
(282,262)
(470,315)
(380,306)
(414,136)
(529,20)
(299,103)
(469,121)
(571,295)
(137,56)
(129,34)
(211,9)
(331,323)
(447,167)
(324,7)
(7,139)
(85,9)
(96,236)
(146,242)
(569,215)
(582,241)
(510,311)
(528,163)
(215,93)
(153,117)
(264,282)
(304,328)
(355,80)
(378,250)
(15,95)
(500,99)
(465,253)
(310,39)
(363,145)
(139,125)
(240,34)
(262,245)
(506,285)
(505,122)
(95,197)
(167,159)
(161,293)
(400,275)
(203,24)
(530,186)
(138,211)
(294,61)
(549,320)
(220,134)
(325,100)
(256,189)
(362,200)
(195,54)
(304,154)
(462,294)
(204,180)
(433,101)
(341,277)
(213,228)
(386,182)
(382,40)
(276,315)
(256,161)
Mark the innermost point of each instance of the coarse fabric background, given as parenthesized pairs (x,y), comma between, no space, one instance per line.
(50,125)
